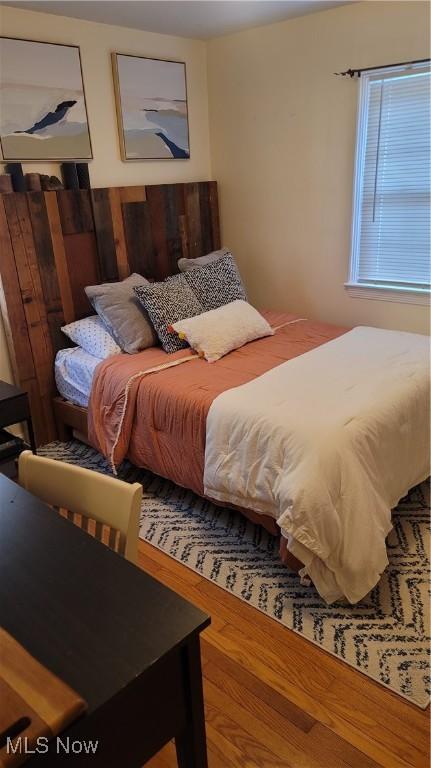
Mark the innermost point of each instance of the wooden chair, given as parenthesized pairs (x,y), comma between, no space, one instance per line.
(107,508)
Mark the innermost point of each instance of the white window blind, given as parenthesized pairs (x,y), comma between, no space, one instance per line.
(391,221)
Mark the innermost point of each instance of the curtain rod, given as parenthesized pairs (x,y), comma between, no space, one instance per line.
(357,72)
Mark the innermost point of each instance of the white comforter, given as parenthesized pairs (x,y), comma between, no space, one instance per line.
(327,444)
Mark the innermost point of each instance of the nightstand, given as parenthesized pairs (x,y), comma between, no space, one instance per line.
(15,408)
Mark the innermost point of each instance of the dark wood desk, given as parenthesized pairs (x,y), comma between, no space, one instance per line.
(15,408)
(127,644)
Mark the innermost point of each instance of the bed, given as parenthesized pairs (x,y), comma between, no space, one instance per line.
(316,431)
(169,436)
(198,424)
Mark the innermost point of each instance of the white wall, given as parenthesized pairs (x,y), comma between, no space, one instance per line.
(97,41)
(283,138)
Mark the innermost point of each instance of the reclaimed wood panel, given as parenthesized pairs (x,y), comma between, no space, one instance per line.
(156,202)
(47,267)
(215,218)
(139,239)
(13,307)
(123,266)
(16,207)
(59,252)
(76,213)
(193,212)
(103,225)
(40,335)
(174,210)
(132,194)
(205,222)
(55,243)
(83,267)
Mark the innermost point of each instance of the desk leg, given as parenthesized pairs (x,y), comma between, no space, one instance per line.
(31,435)
(191,743)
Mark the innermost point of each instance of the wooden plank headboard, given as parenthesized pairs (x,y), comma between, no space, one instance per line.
(52,244)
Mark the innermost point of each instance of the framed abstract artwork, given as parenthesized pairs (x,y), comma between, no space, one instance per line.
(151,97)
(43,114)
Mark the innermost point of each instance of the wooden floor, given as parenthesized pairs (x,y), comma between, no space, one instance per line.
(274,699)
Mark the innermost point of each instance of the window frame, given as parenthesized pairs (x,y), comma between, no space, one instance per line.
(386,292)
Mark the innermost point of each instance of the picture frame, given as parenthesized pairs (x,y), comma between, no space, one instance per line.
(43,108)
(152,107)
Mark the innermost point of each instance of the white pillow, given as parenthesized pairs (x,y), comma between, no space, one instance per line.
(91,334)
(219,331)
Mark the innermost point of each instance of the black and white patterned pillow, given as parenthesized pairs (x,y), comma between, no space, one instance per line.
(166,303)
(216,284)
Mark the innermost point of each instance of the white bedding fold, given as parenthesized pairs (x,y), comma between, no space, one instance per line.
(74,370)
(327,444)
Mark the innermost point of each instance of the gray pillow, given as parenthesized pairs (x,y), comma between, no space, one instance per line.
(216,284)
(123,314)
(166,303)
(185,264)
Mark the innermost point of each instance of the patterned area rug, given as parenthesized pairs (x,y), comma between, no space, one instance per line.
(386,636)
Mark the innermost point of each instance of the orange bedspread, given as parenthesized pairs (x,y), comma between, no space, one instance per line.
(165,420)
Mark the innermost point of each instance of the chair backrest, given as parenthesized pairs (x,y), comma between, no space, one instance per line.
(104,499)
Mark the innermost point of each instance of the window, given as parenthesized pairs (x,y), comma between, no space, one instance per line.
(391,210)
